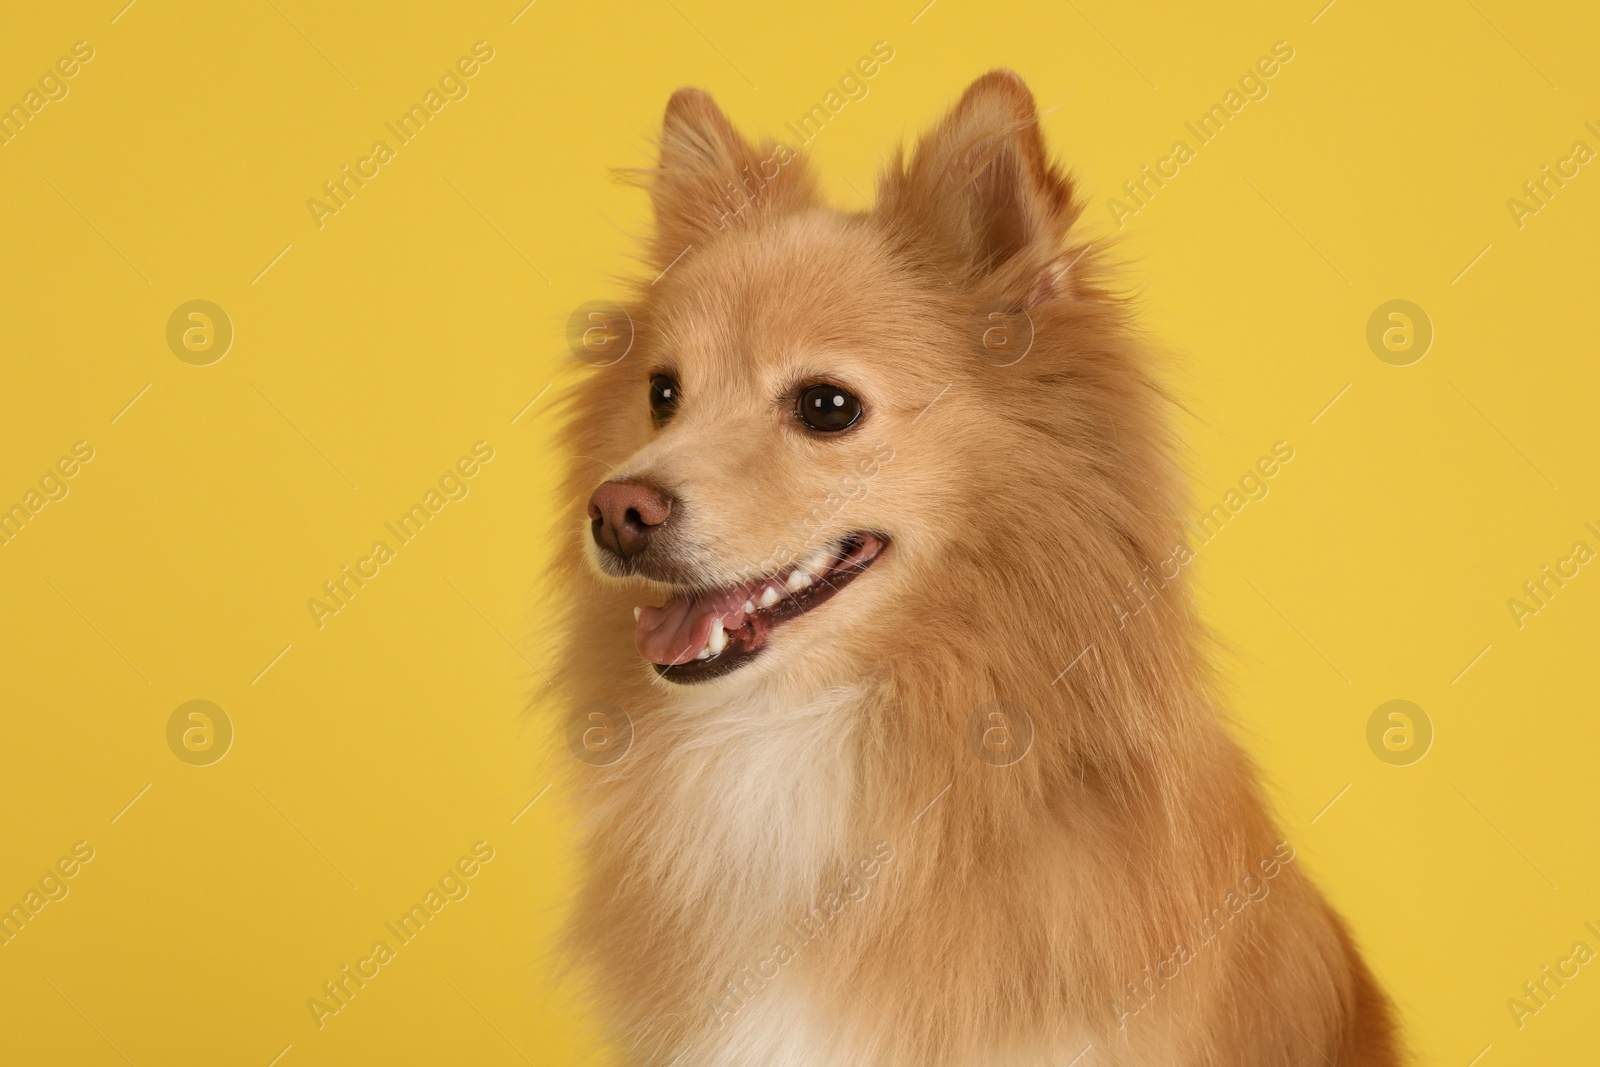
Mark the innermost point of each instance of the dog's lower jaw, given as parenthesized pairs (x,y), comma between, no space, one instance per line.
(698,637)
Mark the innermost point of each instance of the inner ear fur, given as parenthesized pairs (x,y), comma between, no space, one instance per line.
(980,193)
(710,179)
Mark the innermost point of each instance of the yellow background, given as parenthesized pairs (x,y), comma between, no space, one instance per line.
(430,313)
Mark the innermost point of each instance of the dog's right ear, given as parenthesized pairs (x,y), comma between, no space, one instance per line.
(710,179)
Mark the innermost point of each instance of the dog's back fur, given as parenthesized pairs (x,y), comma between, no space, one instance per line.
(1121,887)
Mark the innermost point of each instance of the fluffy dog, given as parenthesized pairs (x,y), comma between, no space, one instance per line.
(874,768)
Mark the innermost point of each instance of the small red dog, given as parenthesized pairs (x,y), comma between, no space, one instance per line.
(883,773)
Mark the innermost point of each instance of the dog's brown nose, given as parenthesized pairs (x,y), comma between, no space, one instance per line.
(624,515)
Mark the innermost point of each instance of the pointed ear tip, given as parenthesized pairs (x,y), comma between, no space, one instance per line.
(689,101)
(1003,82)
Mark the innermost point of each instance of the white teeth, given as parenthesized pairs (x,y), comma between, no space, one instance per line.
(636,613)
(817,562)
(749,607)
(808,570)
(716,641)
(770,596)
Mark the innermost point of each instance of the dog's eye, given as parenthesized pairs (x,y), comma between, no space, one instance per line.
(663,397)
(828,408)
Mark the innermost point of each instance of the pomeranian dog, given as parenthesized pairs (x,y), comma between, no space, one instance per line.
(876,764)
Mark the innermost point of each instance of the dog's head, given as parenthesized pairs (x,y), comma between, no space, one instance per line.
(828,416)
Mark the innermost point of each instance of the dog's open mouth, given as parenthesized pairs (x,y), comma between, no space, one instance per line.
(697,636)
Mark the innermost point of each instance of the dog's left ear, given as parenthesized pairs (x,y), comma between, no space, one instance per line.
(981,194)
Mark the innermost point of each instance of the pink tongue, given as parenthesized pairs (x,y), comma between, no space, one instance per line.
(675,632)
